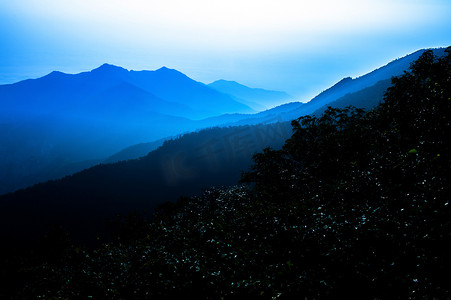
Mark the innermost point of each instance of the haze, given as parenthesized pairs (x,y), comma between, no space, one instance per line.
(300,47)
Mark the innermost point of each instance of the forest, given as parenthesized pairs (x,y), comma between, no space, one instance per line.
(355,204)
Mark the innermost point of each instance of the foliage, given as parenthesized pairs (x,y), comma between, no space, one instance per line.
(375,187)
(354,205)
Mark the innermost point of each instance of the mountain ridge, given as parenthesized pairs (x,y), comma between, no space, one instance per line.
(78,138)
(350,85)
(99,112)
(254,97)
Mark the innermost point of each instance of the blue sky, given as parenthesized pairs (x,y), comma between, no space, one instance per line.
(301,47)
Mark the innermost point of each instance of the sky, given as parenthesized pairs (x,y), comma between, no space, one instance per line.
(300,47)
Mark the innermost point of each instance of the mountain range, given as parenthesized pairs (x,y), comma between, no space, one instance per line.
(60,124)
(258,99)
(111,91)
(51,124)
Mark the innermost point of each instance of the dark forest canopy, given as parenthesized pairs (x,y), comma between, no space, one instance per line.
(355,204)
(182,166)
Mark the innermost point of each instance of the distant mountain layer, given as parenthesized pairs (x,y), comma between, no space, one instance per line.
(110,91)
(364,92)
(274,115)
(259,99)
(349,85)
(366,98)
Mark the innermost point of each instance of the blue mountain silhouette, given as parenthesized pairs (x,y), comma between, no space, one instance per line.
(60,123)
(259,99)
(349,85)
(164,90)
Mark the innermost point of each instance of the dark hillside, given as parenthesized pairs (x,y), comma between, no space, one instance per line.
(183,166)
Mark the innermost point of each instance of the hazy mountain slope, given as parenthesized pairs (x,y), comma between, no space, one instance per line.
(252,96)
(32,150)
(276,114)
(175,86)
(365,92)
(59,92)
(128,100)
(183,166)
(349,85)
(272,115)
(366,98)
(135,151)
(341,89)
(279,113)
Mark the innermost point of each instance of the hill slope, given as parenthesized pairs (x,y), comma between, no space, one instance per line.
(183,166)
(349,85)
(256,98)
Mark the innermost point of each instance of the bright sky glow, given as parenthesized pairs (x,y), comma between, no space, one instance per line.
(297,46)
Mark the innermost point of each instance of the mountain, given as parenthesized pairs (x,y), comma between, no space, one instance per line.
(31,150)
(258,99)
(175,86)
(128,100)
(349,85)
(135,151)
(63,120)
(340,96)
(351,198)
(366,98)
(62,123)
(272,115)
(363,92)
(182,166)
(101,88)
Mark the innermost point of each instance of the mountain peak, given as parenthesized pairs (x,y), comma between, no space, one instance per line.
(171,73)
(222,82)
(108,68)
(167,70)
(346,79)
(55,74)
